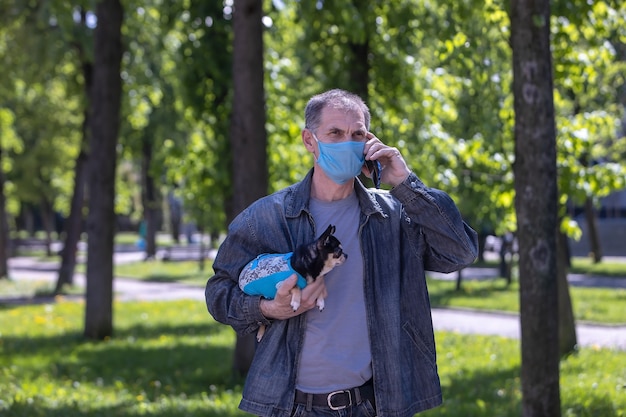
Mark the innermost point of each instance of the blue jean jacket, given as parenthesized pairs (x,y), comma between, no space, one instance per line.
(403,233)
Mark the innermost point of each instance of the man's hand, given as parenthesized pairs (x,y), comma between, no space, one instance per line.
(394,167)
(280,307)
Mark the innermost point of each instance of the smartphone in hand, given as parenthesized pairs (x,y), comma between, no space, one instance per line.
(374,168)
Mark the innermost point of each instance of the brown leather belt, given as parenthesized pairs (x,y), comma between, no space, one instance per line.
(338,400)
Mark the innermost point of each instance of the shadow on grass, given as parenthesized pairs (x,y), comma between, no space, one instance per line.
(66,342)
(198,277)
(440,296)
(161,363)
(493,393)
(33,409)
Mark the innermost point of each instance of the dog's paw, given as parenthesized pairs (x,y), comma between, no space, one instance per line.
(320,304)
(295,305)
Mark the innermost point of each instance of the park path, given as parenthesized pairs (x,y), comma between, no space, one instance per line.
(463,321)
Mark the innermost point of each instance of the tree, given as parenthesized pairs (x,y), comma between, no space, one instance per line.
(247,132)
(105,96)
(75,220)
(4,229)
(536,206)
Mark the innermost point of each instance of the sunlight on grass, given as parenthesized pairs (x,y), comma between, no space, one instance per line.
(609,267)
(480,377)
(164,359)
(600,305)
(171,359)
(187,272)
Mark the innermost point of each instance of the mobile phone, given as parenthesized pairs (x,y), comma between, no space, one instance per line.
(374,168)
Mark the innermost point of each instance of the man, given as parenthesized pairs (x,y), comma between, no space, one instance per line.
(371,351)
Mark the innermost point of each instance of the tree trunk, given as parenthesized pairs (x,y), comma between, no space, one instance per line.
(592,230)
(536,206)
(4,227)
(46,219)
(459,279)
(74,223)
(248,136)
(567,324)
(105,101)
(176,215)
(149,200)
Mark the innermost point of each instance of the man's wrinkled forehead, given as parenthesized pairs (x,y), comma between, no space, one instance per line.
(333,114)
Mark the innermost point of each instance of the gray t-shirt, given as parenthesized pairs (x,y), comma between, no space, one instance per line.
(336,352)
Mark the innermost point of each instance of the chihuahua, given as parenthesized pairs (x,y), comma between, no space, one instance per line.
(264,274)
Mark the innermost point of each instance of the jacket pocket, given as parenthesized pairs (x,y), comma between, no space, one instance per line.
(421,343)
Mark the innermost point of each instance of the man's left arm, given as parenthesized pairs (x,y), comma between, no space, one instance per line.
(452,243)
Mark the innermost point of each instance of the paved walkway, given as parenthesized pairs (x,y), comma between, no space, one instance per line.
(455,320)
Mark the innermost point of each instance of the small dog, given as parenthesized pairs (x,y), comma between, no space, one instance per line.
(264,274)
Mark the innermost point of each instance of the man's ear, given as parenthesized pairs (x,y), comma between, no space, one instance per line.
(308,140)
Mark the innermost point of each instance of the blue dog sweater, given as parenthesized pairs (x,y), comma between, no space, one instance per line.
(264,274)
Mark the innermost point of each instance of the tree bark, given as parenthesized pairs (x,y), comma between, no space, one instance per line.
(4,227)
(248,136)
(567,324)
(75,222)
(149,199)
(536,206)
(45,210)
(105,95)
(592,230)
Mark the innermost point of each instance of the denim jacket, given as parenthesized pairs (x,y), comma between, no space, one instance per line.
(403,232)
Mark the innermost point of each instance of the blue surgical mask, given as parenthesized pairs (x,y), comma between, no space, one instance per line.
(341,161)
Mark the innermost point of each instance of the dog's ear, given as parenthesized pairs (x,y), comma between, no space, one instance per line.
(324,237)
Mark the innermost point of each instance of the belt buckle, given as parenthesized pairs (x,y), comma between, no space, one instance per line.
(341,407)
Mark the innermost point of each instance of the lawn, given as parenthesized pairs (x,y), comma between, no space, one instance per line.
(185,272)
(598,305)
(171,359)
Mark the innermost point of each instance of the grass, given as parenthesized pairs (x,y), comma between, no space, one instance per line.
(599,305)
(186,272)
(171,359)
(166,359)
(608,267)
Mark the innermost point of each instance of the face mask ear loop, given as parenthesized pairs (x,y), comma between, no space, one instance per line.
(319,152)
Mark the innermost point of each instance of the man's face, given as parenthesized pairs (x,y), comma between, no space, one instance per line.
(340,125)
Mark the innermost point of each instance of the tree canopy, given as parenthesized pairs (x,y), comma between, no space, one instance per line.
(436,75)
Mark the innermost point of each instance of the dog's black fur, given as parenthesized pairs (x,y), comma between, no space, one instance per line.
(309,260)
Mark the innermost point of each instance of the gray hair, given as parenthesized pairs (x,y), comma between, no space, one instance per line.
(338,99)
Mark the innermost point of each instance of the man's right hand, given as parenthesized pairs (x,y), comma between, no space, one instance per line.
(280,307)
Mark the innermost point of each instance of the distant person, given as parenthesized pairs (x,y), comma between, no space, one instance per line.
(372,349)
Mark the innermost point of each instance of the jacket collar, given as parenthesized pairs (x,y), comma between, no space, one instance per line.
(299,195)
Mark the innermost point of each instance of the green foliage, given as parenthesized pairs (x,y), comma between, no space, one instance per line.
(41,97)
(436,76)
